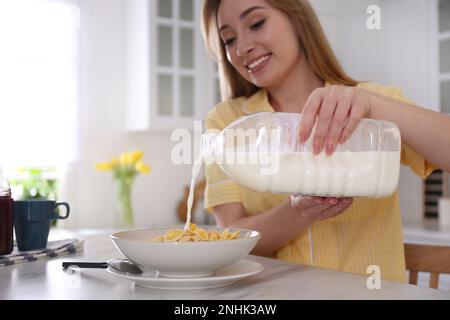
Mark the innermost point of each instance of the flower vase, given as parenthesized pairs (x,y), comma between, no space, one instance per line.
(125,204)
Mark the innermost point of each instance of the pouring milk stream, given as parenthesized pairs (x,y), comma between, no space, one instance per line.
(195,171)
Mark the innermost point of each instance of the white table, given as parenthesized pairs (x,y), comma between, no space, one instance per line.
(45,279)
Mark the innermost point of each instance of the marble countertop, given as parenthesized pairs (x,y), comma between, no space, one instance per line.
(426,232)
(45,279)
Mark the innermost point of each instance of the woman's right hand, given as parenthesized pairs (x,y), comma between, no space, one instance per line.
(320,208)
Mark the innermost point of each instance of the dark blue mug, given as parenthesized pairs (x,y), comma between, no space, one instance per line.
(32,219)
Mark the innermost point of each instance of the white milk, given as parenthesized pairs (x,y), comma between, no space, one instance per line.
(344,174)
(195,171)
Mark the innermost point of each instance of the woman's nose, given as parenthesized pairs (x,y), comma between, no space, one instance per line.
(244,47)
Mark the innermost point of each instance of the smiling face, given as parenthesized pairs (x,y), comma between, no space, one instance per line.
(259,40)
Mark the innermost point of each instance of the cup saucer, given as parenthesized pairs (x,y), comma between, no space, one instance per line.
(223,277)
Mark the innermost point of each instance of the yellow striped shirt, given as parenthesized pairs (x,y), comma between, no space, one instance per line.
(368,233)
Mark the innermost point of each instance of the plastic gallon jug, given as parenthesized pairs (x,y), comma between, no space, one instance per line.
(262,152)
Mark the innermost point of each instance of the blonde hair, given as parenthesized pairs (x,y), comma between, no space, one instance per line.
(312,38)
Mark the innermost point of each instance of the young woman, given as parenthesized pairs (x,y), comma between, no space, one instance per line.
(273,56)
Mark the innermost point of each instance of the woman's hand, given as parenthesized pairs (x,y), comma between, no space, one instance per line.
(320,208)
(338,110)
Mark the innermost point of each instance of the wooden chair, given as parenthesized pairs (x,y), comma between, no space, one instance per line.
(427,258)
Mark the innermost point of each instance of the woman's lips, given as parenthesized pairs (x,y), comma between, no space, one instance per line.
(257,66)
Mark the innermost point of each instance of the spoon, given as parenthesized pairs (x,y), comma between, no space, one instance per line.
(121,265)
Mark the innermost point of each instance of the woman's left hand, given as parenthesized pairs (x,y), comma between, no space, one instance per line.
(338,110)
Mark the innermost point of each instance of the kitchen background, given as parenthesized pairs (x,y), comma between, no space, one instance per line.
(83,80)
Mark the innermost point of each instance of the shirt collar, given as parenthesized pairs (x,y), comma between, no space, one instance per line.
(259,102)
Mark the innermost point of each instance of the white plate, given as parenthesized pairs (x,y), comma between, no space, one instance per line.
(223,277)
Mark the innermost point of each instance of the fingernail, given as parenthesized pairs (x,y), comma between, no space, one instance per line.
(316,148)
(330,149)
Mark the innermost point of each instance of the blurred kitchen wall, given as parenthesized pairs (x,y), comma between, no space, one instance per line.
(400,54)
(92,194)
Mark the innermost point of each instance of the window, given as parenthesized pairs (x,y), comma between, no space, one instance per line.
(171,79)
(38,82)
(176,33)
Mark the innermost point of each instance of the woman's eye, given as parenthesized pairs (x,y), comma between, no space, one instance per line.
(258,24)
(230,41)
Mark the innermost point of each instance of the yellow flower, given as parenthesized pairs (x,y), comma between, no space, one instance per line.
(114,162)
(135,156)
(125,159)
(128,164)
(142,167)
(103,166)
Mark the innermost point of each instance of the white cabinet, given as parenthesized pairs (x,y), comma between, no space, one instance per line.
(443,7)
(444,54)
(170,78)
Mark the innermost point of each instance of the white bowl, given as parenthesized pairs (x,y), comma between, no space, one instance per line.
(183,259)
